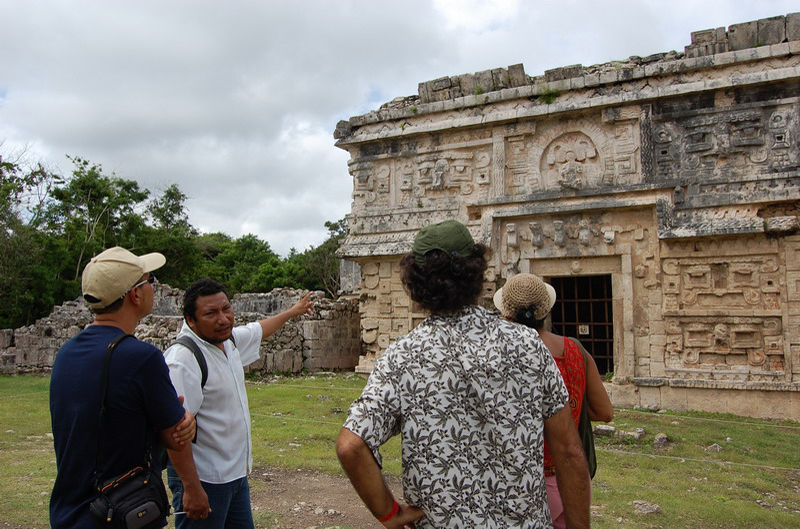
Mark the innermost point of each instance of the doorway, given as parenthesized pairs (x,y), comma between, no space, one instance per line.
(583,310)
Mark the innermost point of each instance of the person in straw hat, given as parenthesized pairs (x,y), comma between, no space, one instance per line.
(528,300)
(473,397)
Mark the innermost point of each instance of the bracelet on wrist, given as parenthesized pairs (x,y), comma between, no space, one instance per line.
(392,513)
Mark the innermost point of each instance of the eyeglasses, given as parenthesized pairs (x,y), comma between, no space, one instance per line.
(152,280)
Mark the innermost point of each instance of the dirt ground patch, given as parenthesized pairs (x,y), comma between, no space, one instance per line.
(301,499)
(305,499)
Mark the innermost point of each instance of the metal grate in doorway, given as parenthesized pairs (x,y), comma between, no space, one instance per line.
(583,310)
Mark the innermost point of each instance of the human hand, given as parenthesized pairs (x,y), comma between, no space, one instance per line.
(405,517)
(304,306)
(186,428)
(195,502)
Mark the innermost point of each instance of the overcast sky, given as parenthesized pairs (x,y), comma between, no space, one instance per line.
(236,101)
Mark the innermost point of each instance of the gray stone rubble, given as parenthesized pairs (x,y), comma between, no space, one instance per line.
(327,340)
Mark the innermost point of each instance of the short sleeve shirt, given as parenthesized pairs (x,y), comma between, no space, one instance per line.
(469,394)
(224,449)
(140,398)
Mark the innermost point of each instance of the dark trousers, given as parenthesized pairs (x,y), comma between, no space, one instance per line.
(230,504)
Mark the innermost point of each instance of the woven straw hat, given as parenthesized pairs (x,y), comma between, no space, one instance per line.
(525,290)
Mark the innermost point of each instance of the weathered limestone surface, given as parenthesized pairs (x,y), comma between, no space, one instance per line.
(676,174)
(327,340)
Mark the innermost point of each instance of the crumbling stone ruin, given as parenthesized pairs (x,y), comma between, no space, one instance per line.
(327,340)
(660,196)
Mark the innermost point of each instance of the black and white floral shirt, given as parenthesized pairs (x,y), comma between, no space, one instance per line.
(469,393)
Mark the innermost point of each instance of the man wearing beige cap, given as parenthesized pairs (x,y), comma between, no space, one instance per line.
(473,397)
(142,406)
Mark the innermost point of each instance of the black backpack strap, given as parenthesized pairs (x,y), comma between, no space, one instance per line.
(104,399)
(190,344)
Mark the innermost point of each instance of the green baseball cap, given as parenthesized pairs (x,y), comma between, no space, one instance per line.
(448,236)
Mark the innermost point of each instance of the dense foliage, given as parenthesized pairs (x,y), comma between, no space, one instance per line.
(50,226)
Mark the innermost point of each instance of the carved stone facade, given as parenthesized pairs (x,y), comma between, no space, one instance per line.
(675,176)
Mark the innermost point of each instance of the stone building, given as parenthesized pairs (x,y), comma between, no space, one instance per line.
(659,195)
(328,339)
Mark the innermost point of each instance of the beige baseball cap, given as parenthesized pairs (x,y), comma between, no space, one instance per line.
(524,290)
(112,273)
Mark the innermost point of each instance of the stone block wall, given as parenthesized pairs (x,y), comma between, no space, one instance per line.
(34,347)
(676,175)
(327,340)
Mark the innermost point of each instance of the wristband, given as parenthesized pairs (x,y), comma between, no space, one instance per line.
(392,513)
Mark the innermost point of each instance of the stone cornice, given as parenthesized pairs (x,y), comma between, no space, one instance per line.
(710,384)
(647,82)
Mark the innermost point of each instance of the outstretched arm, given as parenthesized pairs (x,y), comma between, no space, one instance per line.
(366,477)
(273,323)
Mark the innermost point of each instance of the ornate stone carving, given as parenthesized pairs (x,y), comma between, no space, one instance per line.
(724,344)
(442,174)
(537,236)
(725,142)
(518,165)
(560,237)
(571,161)
(363,184)
(511,235)
(584,233)
(681,183)
(736,282)
(626,155)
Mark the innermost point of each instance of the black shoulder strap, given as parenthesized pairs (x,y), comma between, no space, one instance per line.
(190,344)
(104,398)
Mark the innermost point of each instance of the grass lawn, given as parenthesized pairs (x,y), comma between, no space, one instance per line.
(751,480)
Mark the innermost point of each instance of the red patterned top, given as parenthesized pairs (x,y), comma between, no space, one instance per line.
(573,371)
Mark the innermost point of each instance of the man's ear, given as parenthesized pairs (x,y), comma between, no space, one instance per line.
(191,323)
(135,297)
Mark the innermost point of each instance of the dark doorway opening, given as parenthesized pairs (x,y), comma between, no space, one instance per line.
(583,310)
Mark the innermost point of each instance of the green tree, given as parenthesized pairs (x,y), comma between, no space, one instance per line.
(238,264)
(27,259)
(277,273)
(320,264)
(171,234)
(210,246)
(51,226)
(91,212)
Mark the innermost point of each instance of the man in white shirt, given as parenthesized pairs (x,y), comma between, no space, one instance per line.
(209,480)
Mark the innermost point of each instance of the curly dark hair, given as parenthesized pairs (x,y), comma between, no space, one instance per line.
(201,287)
(445,283)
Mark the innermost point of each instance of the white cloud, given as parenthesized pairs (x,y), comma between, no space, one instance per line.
(236,101)
(476,15)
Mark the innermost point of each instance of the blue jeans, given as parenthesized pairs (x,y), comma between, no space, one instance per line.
(230,504)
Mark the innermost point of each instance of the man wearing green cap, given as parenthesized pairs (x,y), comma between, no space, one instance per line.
(118,287)
(473,396)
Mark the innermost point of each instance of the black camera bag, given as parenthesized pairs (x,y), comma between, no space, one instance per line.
(135,498)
